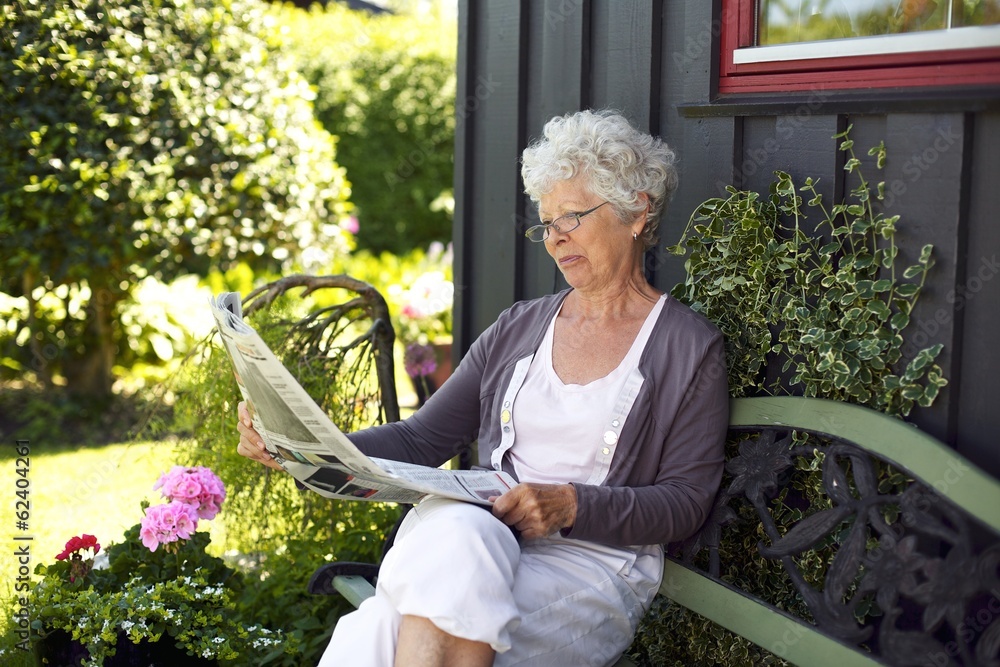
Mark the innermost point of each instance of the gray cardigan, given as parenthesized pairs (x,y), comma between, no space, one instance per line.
(666,463)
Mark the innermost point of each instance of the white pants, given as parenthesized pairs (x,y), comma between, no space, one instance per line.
(546,602)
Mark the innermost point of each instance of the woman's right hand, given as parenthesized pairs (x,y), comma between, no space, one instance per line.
(251,444)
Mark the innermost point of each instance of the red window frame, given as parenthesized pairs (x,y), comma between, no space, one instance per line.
(957,67)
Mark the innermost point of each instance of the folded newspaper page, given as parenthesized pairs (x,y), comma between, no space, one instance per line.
(310,447)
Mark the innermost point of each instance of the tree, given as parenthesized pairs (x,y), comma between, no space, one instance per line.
(386,87)
(148,137)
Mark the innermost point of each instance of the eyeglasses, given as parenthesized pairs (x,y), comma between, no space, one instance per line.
(564,224)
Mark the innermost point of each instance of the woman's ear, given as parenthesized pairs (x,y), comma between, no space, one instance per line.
(639,224)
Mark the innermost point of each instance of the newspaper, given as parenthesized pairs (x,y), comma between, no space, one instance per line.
(310,447)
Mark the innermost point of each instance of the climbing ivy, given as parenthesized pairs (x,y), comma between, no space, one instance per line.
(830,304)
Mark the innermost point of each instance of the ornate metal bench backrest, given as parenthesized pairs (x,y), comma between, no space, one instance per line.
(911,567)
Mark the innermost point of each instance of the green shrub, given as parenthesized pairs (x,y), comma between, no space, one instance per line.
(147,138)
(385,85)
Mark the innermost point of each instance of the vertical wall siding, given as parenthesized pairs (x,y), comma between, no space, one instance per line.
(558,48)
(976,300)
(490,104)
(706,147)
(523,62)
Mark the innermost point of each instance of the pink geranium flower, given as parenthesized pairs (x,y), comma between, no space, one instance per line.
(197,486)
(168,523)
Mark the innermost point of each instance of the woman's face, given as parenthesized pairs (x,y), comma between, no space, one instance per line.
(600,253)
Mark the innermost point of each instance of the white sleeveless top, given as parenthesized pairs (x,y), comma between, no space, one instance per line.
(561,427)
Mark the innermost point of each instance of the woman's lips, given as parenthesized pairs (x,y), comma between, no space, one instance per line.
(568,259)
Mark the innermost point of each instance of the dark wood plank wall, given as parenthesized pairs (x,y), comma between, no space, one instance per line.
(522,62)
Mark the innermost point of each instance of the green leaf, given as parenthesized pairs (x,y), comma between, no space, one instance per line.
(861,225)
(863,261)
(841,135)
(883,285)
(878,308)
(902,305)
(889,256)
(913,271)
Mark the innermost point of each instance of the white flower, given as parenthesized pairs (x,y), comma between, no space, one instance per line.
(219,640)
(101,561)
(127,625)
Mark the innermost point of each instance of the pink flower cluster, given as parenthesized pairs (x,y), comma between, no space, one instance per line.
(195,486)
(194,493)
(168,523)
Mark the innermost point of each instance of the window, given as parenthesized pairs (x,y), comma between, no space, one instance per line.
(785,45)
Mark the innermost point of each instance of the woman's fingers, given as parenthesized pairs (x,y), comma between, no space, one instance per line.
(251,445)
(537,510)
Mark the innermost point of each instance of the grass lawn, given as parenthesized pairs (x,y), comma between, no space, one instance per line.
(95,490)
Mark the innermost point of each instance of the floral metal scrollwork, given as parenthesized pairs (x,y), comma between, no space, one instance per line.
(912,579)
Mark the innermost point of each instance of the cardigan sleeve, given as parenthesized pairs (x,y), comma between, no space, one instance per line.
(446,424)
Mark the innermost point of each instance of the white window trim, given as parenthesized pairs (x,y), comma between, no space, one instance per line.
(972,37)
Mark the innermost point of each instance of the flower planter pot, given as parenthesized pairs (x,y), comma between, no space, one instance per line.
(59,649)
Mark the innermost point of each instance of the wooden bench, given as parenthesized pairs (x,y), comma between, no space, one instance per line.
(923,544)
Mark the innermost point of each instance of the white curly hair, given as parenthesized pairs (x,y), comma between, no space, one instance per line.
(618,162)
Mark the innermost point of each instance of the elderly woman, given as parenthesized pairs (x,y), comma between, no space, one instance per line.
(607,402)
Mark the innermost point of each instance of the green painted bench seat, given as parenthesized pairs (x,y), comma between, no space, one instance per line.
(926,549)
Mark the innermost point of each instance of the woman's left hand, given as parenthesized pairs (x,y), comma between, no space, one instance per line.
(537,510)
